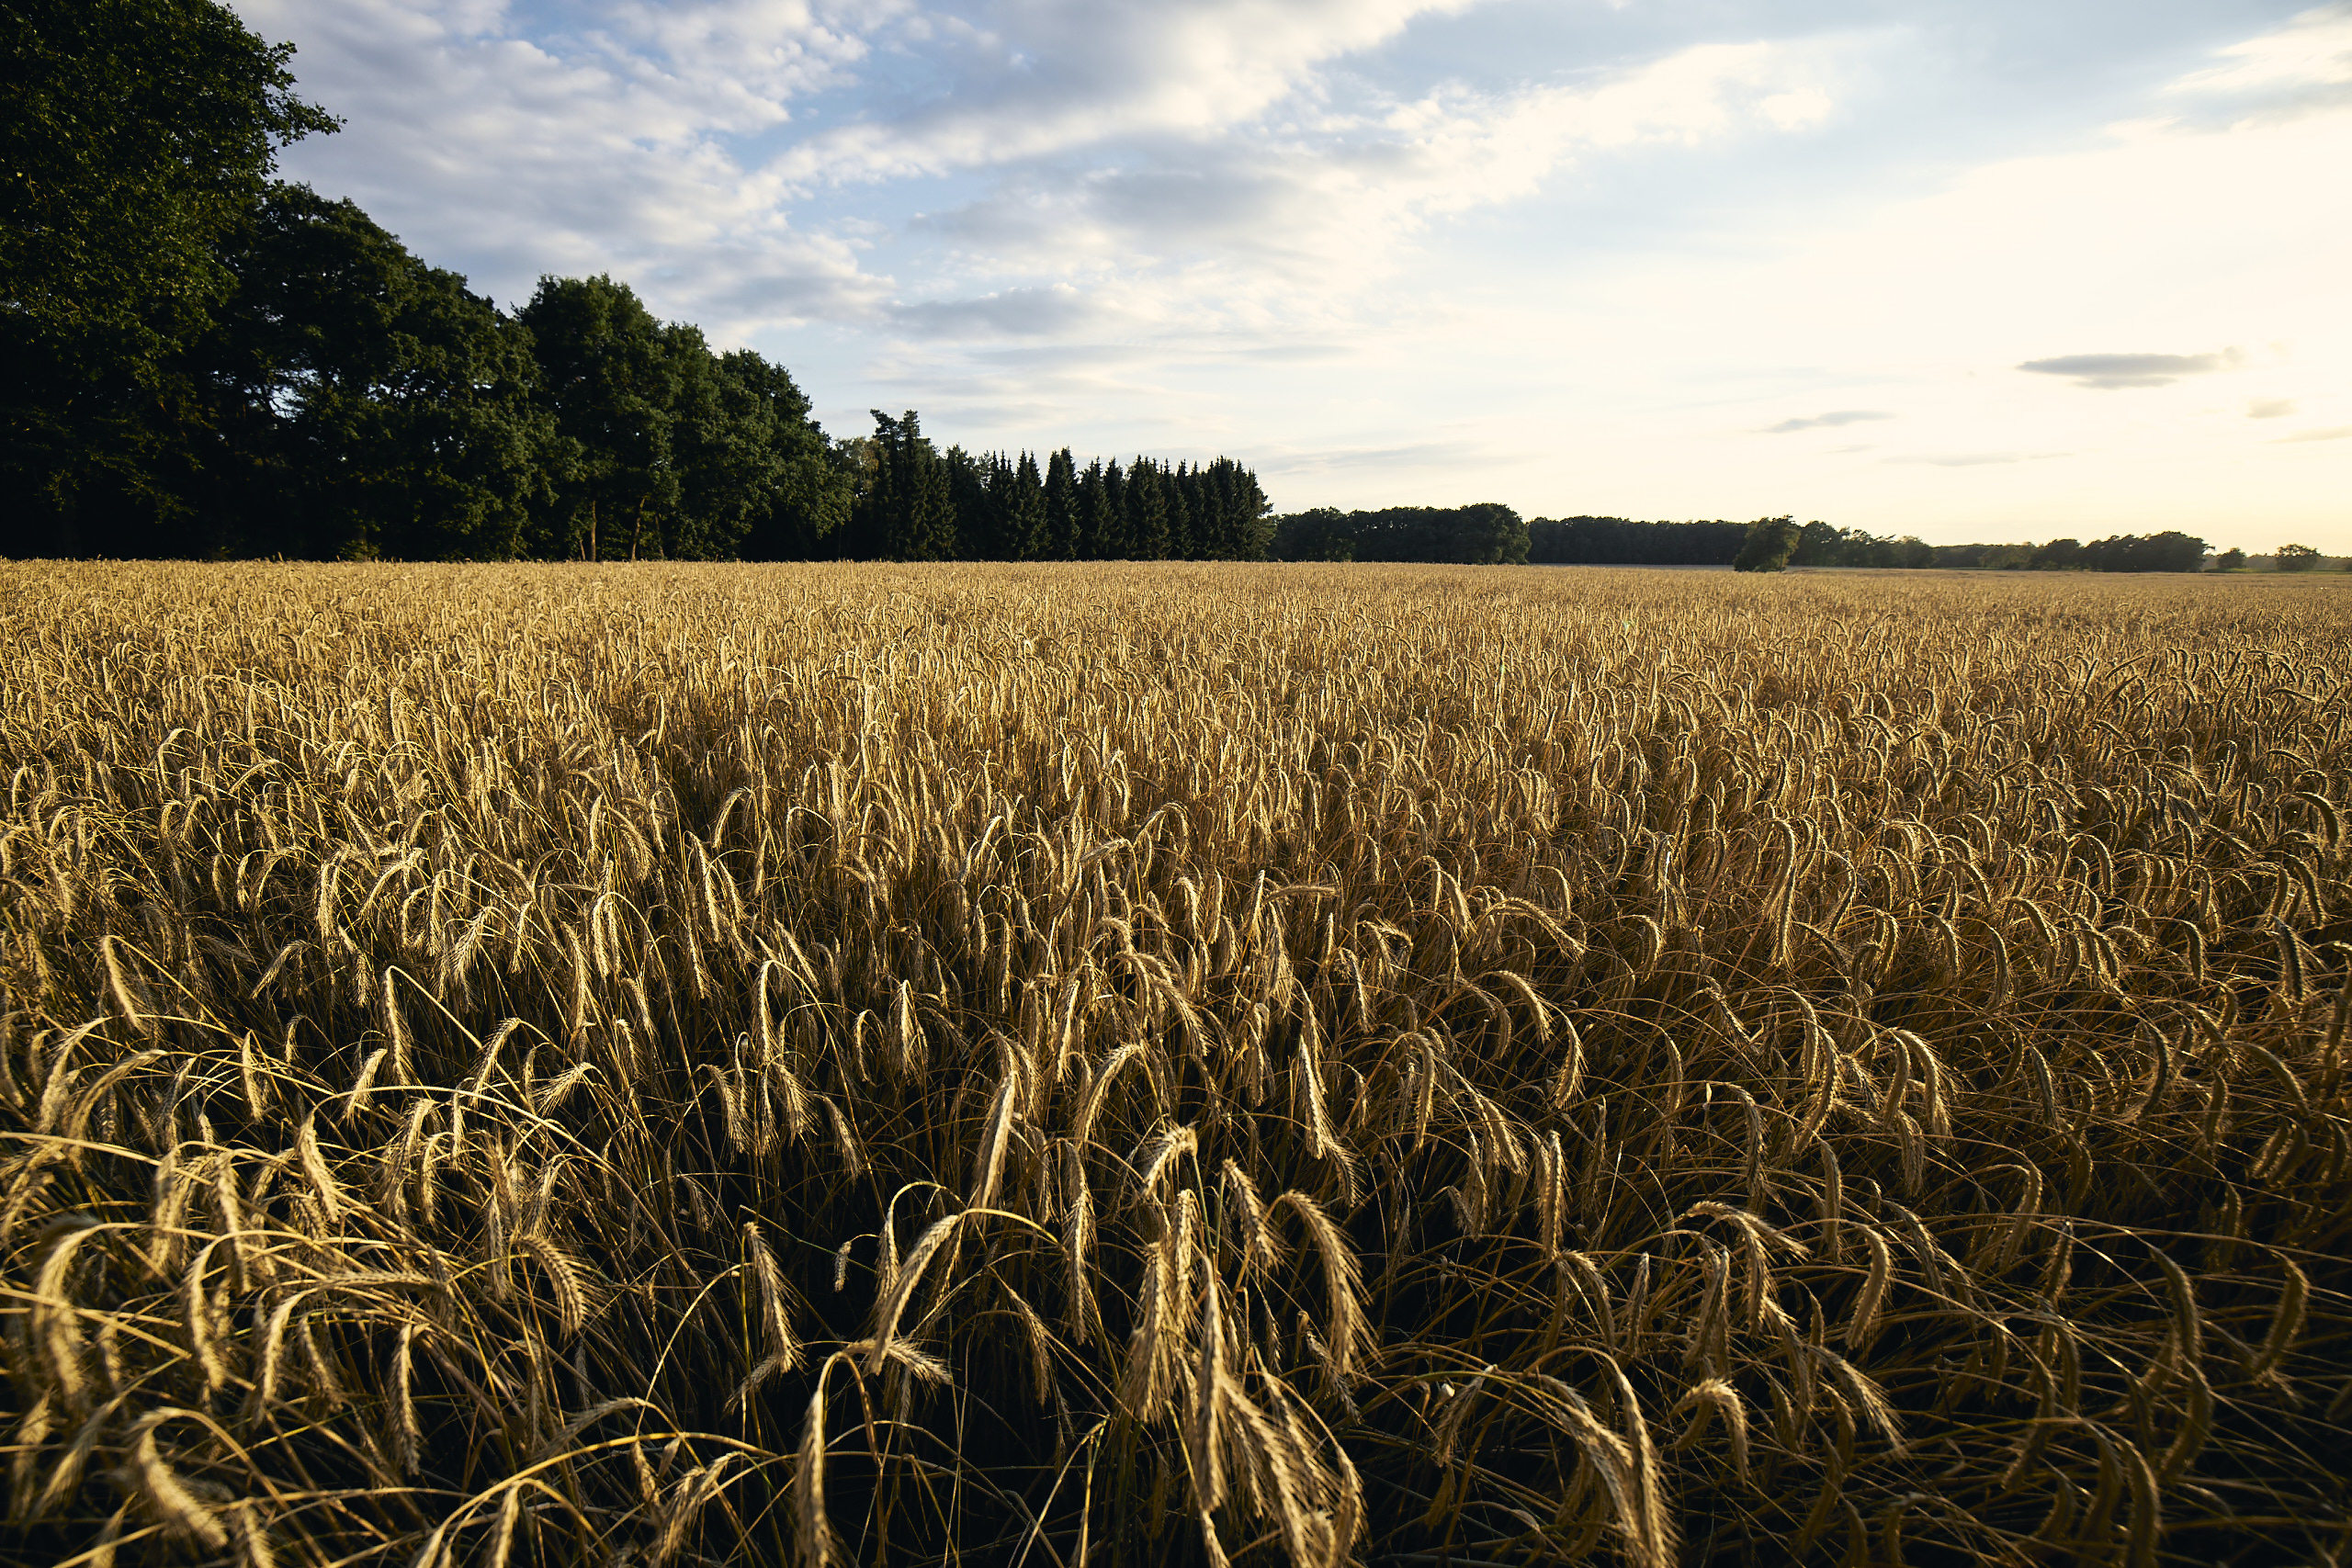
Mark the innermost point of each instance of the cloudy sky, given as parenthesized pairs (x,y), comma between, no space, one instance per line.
(1973,269)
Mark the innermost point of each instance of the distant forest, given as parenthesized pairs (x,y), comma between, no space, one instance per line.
(1616,541)
(1491,534)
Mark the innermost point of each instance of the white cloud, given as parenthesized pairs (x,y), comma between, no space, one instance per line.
(1163,160)
(1283,461)
(604,147)
(1288,219)
(1045,77)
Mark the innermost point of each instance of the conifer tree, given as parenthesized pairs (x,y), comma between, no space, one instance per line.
(968,496)
(912,516)
(1240,530)
(1212,522)
(1146,511)
(1112,539)
(1062,519)
(1097,519)
(1027,532)
(1183,545)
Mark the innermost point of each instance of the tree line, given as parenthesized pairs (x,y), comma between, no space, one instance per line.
(198,359)
(2286,558)
(1819,544)
(1618,541)
(1490,533)
(1485,534)
(912,502)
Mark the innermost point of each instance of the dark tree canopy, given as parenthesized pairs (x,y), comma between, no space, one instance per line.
(1062,519)
(1823,545)
(1771,541)
(2167,551)
(722,442)
(139,136)
(381,408)
(613,383)
(1146,506)
(1619,541)
(1027,533)
(906,512)
(1487,533)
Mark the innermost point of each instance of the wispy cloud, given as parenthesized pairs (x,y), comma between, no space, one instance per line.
(1415,453)
(1292,216)
(2109,372)
(1033,79)
(1826,421)
(2312,49)
(2331,433)
(1979,460)
(2271,408)
(1054,311)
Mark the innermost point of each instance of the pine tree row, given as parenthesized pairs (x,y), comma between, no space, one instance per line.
(912,502)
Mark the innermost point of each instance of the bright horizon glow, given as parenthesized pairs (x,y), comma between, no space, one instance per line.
(1984,272)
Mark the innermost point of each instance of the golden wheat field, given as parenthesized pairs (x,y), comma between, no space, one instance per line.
(1160,1064)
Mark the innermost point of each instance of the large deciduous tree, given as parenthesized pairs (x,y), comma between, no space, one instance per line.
(612,378)
(808,500)
(365,403)
(1771,541)
(755,479)
(138,135)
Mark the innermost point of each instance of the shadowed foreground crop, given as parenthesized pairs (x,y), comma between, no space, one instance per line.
(1171,1065)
